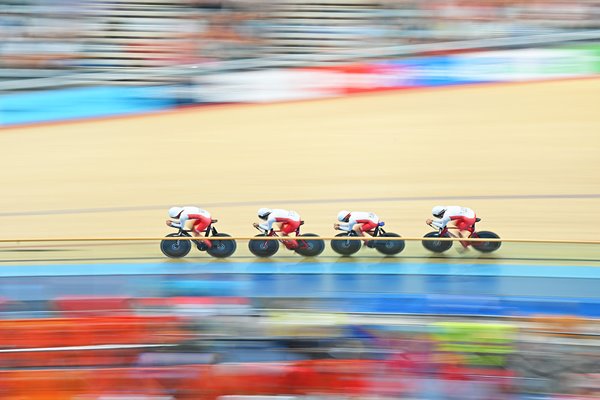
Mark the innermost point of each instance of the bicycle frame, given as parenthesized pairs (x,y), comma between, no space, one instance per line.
(378,231)
(209,231)
(272,232)
(446,231)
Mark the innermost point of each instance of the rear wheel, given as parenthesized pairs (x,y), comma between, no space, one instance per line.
(222,248)
(389,247)
(486,247)
(310,248)
(437,246)
(345,247)
(175,248)
(263,248)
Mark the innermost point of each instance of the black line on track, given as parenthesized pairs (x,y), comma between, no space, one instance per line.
(33,250)
(292,258)
(305,201)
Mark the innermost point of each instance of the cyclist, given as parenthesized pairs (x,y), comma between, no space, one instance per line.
(461,218)
(282,221)
(192,219)
(360,222)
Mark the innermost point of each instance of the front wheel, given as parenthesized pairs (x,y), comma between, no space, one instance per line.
(310,248)
(345,247)
(389,247)
(486,247)
(437,246)
(175,248)
(263,248)
(222,248)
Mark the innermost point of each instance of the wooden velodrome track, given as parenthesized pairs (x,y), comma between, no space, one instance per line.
(524,156)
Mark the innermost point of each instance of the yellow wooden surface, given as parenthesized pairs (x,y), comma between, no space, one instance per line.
(373,152)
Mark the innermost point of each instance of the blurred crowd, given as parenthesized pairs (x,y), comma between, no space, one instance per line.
(69,34)
(223,347)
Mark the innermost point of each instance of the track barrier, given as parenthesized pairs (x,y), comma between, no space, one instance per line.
(246,238)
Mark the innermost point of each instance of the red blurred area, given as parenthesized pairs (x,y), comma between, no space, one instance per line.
(102,347)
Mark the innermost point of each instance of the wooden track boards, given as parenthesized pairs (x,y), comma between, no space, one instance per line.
(521,155)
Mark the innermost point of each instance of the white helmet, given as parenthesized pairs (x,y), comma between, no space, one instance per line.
(263,213)
(438,211)
(342,215)
(175,211)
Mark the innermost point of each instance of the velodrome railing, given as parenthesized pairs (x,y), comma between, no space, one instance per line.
(326,238)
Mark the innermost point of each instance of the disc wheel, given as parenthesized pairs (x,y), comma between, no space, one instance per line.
(263,248)
(437,246)
(389,247)
(345,247)
(310,247)
(486,247)
(222,248)
(175,248)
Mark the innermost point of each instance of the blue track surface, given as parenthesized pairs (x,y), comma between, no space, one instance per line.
(223,267)
(77,103)
(282,268)
(421,288)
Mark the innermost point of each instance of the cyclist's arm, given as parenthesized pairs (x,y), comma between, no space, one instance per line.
(344,226)
(268,224)
(347,226)
(441,223)
(181,223)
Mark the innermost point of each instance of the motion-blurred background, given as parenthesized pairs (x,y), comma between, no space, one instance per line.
(148,55)
(92,320)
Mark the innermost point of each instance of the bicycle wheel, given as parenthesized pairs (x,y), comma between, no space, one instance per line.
(222,248)
(175,248)
(310,247)
(486,247)
(263,248)
(437,246)
(389,247)
(345,247)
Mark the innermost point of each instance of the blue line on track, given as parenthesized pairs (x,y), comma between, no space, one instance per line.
(282,268)
(307,201)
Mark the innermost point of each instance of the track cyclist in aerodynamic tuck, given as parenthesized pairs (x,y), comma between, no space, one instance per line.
(461,219)
(360,222)
(282,221)
(192,219)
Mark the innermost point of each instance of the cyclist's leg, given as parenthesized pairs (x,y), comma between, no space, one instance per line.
(462,226)
(287,228)
(277,226)
(357,229)
(200,226)
(365,228)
